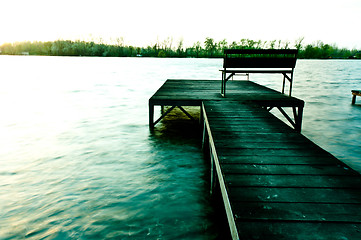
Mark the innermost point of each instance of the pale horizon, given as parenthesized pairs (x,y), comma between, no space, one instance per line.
(142,23)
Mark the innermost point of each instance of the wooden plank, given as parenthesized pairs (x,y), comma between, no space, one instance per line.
(250,129)
(231,145)
(286,169)
(306,195)
(315,212)
(256,137)
(298,230)
(271,159)
(265,152)
(302,181)
(177,102)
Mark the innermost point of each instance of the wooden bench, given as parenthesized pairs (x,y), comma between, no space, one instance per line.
(354,94)
(246,61)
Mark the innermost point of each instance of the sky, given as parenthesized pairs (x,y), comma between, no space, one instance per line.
(146,22)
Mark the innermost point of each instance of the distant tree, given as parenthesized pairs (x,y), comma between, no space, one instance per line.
(138,51)
(326,51)
(197,47)
(162,54)
(243,43)
(233,45)
(167,44)
(7,48)
(298,43)
(250,43)
(210,46)
(57,48)
(286,45)
(120,41)
(272,44)
(310,52)
(130,51)
(259,44)
(221,46)
(180,48)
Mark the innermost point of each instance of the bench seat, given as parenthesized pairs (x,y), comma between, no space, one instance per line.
(254,71)
(269,61)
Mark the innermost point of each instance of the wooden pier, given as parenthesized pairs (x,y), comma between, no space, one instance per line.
(275,183)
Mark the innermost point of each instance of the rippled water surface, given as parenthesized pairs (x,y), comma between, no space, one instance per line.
(77,160)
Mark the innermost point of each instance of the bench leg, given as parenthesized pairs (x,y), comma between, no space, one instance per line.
(224,88)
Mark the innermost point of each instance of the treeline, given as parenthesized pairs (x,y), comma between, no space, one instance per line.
(208,49)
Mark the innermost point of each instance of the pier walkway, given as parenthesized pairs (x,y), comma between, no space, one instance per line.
(275,183)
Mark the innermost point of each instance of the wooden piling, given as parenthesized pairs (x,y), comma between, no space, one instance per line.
(354,94)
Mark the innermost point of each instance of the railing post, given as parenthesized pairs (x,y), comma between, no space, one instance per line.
(223,87)
(212,171)
(204,136)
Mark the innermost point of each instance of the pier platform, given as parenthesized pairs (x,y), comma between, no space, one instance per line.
(178,93)
(274,182)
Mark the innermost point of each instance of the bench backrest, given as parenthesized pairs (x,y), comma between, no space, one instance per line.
(260,58)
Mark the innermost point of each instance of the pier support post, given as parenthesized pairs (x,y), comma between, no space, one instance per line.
(354,94)
(296,122)
(298,118)
(151,115)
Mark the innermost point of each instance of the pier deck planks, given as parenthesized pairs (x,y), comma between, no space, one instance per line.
(280,185)
(199,90)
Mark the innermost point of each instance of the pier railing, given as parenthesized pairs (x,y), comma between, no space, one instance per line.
(216,172)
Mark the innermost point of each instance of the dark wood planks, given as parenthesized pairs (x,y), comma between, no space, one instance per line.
(209,90)
(298,230)
(280,184)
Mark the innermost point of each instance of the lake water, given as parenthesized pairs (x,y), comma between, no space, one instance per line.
(77,159)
